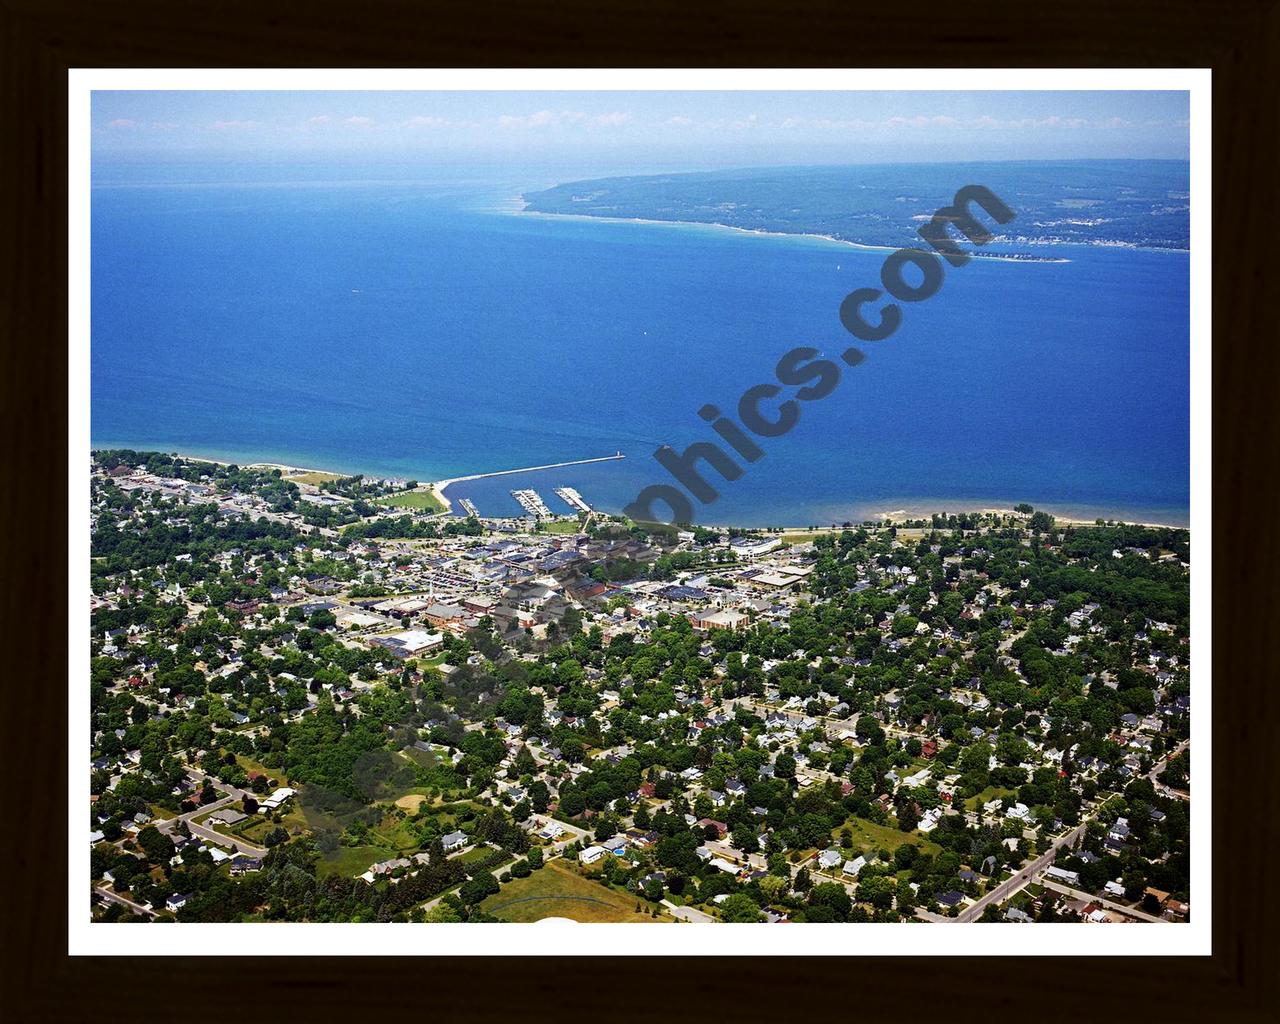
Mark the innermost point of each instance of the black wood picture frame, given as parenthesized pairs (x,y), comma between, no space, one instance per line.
(1238,39)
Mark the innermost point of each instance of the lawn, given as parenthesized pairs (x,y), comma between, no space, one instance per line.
(560,526)
(317,478)
(868,836)
(255,827)
(350,861)
(557,890)
(424,500)
(251,766)
(987,795)
(396,835)
(480,852)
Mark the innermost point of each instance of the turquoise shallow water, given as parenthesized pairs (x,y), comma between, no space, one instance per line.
(423,331)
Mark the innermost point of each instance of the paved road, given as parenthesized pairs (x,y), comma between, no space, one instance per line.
(431,903)
(231,795)
(1024,875)
(722,849)
(574,833)
(1161,788)
(117,898)
(237,844)
(219,785)
(1066,890)
(169,824)
(832,724)
(1006,889)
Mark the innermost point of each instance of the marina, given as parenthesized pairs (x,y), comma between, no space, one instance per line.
(572,498)
(469,507)
(440,486)
(531,501)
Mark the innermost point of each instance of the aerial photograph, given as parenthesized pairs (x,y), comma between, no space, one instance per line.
(650,507)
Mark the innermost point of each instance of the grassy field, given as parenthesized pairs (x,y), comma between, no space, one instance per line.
(395,834)
(560,526)
(256,828)
(556,890)
(987,795)
(411,802)
(251,766)
(471,856)
(424,500)
(350,861)
(315,479)
(868,836)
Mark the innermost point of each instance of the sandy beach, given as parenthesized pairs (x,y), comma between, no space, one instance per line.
(763,232)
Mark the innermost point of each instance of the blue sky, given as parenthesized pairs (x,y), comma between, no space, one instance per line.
(621,132)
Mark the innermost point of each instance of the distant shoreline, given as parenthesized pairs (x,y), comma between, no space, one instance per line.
(903,508)
(222,460)
(863,246)
(514,208)
(866,247)
(1077,518)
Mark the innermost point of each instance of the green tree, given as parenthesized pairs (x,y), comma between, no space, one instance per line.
(740,909)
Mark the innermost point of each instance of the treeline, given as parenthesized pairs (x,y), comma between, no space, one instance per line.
(202,535)
(288,889)
(267,483)
(410,528)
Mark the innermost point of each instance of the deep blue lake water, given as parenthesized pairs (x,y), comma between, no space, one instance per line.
(425,331)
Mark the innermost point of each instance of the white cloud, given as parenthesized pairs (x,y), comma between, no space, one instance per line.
(542,118)
(358,121)
(234,126)
(921,121)
(918,122)
(551,118)
(123,123)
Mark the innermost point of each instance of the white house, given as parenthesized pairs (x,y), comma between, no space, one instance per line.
(275,799)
